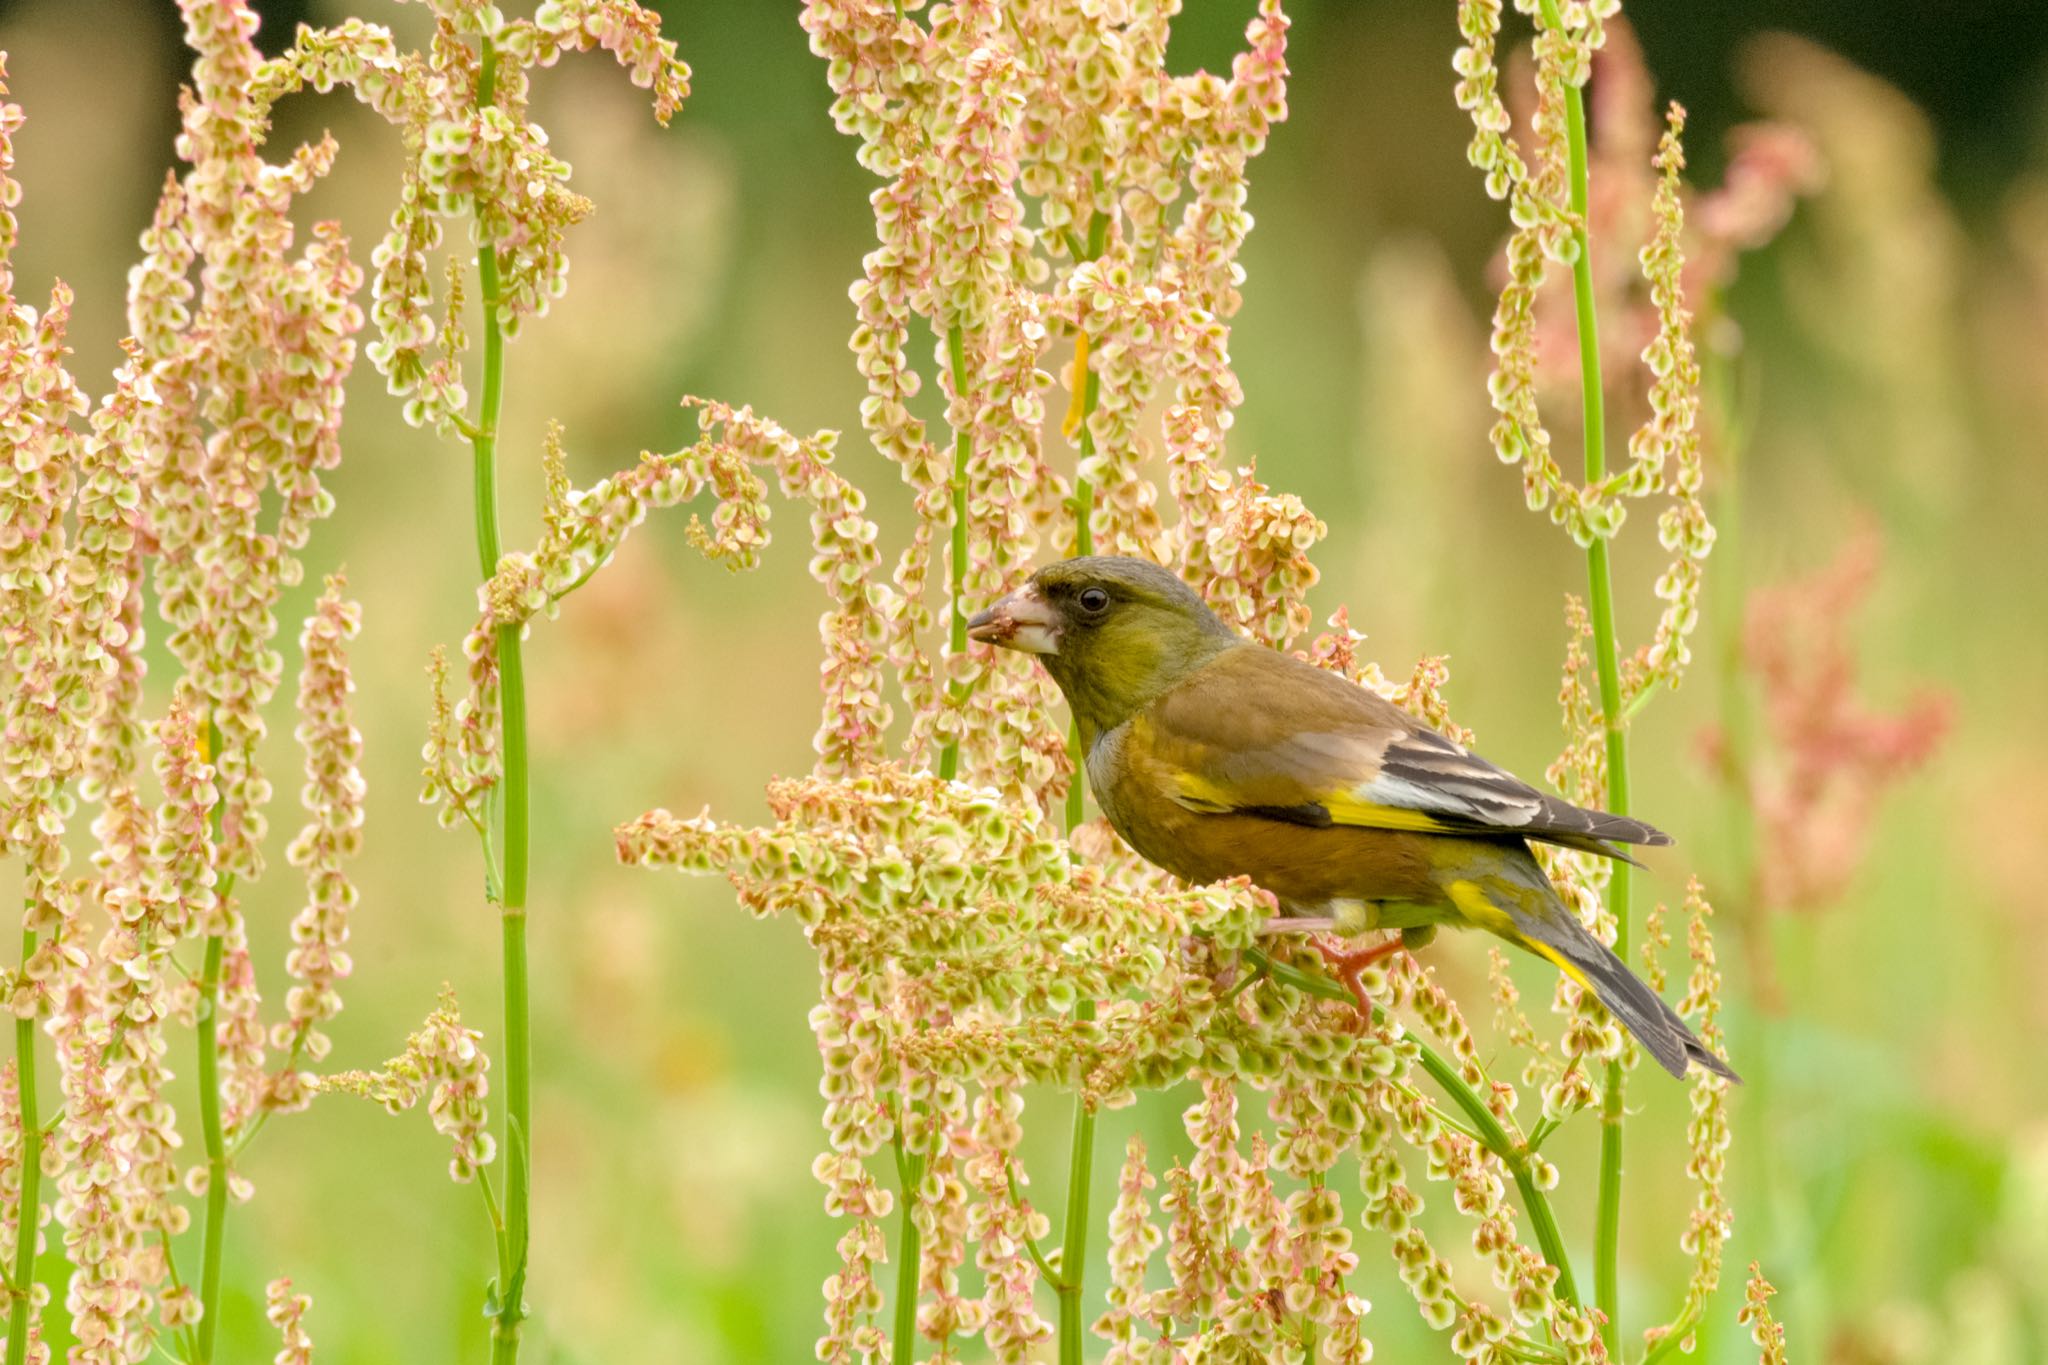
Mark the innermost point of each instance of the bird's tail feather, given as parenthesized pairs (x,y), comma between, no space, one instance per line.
(1557,934)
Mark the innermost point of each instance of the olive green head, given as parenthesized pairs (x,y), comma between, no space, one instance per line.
(1115,633)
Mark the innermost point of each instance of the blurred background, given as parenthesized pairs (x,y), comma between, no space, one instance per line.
(1880,369)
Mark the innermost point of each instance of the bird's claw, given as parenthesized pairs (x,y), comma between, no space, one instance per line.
(1348,966)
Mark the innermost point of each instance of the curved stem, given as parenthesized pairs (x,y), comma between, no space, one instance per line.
(518,1044)
(1607,661)
(22,1282)
(1485,1126)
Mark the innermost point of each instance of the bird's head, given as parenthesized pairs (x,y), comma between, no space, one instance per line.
(1114,632)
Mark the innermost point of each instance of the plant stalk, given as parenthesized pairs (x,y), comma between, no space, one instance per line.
(518,1045)
(1607,662)
(216,1146)
(214,1135)
(909,1253)
(1073,1275)
(23,1281)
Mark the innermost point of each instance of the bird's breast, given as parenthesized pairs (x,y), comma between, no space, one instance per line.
(1133,789)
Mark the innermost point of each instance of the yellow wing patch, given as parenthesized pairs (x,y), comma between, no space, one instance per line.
(1346,809)
(1198,793)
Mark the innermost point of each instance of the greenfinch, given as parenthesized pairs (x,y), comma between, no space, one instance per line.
(1215,757)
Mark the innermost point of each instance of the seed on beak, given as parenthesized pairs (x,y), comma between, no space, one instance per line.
(1022,621)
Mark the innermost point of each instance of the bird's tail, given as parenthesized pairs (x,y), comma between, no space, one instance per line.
(1544,925)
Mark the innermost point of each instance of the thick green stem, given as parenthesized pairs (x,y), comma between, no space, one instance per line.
(1607,661)
(1491,1135)
(909,1253)
(1074,1245)
(216,1146)
(24,1277)
(516,788)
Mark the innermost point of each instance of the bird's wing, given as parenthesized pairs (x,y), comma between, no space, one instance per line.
(1261,732)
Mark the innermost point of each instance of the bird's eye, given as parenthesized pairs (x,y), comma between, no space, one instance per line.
(1094,601)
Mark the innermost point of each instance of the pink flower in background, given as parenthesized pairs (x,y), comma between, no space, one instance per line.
(1828,757)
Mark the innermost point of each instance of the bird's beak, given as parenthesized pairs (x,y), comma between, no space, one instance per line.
(1023,620)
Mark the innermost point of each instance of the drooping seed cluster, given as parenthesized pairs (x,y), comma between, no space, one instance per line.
(286,1312)
(1764,1329)
(583,529)
(1671,435)
(333,797)
(471,153)
(444,1064)
(1707,1132)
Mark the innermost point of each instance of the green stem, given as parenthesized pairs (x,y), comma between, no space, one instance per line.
(26,1219)
(909,1253)
(518,1046)
(963,449)
(1074,1245)
(1607,660)
(1487,1128)
(216,1146)
(497,1217)
(213,1131)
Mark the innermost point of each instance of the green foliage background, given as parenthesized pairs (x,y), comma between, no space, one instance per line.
(1900,1192)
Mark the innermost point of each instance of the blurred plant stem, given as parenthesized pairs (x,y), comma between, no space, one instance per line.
(1607,661)
(21,1282)
(1784,1236)
(510,1309)
(214,1136)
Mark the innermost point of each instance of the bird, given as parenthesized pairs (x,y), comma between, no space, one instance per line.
(1214,757)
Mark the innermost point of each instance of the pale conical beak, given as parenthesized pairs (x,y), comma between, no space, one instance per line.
(1023,621)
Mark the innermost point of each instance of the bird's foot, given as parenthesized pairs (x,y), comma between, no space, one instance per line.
(1349,967)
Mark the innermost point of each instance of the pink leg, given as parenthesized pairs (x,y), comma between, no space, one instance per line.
(1349,966)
